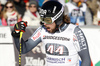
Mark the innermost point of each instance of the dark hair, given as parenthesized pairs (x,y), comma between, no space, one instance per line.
(66,19)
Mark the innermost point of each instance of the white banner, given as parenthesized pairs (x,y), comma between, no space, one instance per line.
(7,55)
(93,39)
(5,35)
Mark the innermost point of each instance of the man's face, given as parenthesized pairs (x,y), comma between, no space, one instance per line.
(50,27)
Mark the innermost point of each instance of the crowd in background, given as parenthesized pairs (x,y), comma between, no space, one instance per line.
(81,12)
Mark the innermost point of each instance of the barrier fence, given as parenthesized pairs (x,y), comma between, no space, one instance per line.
(9,55)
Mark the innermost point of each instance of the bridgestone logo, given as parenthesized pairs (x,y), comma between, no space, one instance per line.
(56,38)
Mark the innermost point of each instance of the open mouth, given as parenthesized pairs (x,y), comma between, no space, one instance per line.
(48,28)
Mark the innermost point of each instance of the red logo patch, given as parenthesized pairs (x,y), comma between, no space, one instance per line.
(43,36)
(74,38)
(69,60)
(36,36)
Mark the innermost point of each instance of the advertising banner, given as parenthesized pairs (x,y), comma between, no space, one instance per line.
(5,35)
(7,53)
(93,39)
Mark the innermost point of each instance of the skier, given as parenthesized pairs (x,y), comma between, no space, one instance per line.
(62,41)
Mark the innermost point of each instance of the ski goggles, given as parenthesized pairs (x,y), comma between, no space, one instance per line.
(50,20)
(47,20)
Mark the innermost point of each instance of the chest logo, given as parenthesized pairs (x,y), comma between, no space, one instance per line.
(56,38)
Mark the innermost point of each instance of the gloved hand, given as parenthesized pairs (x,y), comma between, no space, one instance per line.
(20,26)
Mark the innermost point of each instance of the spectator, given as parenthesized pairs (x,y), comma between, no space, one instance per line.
(94,5)
(79,15)
(20,6)
(40,2)
(10,15)
(1,7)
(32,15)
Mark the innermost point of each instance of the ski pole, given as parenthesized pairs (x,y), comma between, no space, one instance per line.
(21,33)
